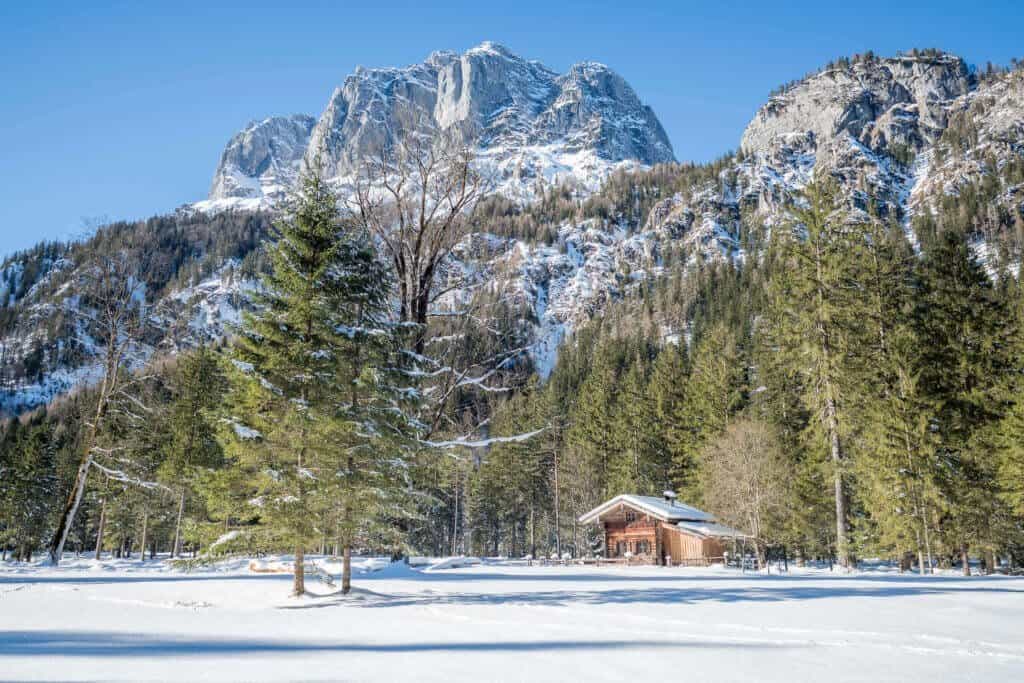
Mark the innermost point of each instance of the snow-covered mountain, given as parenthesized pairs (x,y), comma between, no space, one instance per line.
(533,127)
(900,133)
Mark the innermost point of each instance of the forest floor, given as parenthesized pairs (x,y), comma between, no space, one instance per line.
(124,620)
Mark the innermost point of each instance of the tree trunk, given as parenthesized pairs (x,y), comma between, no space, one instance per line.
(346,569)
(831,412)
(67,515)
(990,562)
(99,532)
(558,523)
(455,512)
(145,529)
(842,551)
(964,560)
(927,538)
(533,533)
(176,549)
(299,585)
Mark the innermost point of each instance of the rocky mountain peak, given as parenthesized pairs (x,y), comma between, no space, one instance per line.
(262,160)
(533,126)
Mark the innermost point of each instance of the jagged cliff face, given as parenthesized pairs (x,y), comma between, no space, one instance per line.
(895,132)
(877,103)
(857,123)
(532,126)
(993,119)
(263,160)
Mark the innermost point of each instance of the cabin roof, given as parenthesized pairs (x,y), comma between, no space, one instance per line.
(711,530)
(657,507)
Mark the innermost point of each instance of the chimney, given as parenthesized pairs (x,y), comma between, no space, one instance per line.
(670,497)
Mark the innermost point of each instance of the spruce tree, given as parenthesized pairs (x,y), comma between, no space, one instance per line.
(715,392)
(320,398)
(812,325)
(373,426)
(962,369)
(593,428)
(894,475)
(288,387)
(198,386)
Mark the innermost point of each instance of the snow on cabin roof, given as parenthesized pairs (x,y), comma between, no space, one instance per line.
(711,530)
(658,507)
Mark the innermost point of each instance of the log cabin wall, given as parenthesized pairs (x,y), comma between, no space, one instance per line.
(627,530)
(648,539)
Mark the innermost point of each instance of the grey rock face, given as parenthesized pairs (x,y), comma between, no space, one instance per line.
(529,123)
(263,159)
(879,103)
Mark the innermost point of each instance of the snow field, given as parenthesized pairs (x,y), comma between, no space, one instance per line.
(117,620)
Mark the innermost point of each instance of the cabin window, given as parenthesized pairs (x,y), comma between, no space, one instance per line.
(643,547)
(630,516)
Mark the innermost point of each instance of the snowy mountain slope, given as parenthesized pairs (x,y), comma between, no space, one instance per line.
(989,127)
(533,127)
(902,132)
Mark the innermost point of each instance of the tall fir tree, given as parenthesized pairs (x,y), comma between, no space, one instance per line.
(286,393)
(963,368)
(715,392)
(812,326)
(198,387)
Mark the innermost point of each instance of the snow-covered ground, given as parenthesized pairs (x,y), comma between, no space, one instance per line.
(117,620)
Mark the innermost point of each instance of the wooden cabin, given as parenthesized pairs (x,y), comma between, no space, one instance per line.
(647,529)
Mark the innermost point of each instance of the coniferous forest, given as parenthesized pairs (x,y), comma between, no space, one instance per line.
(849,388)
(866,390)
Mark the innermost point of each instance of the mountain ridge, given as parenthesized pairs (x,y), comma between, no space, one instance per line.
(902,136)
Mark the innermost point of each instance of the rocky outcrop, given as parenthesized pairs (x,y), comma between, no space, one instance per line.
(263,159)
(877,102)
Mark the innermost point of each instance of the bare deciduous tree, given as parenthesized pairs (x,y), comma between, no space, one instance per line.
(417,197)
(745,478)
(109,317)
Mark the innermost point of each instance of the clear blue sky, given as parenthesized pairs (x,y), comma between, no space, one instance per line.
(121,110)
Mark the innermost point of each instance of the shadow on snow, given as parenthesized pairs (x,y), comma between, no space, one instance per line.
(113,644)
(657,595)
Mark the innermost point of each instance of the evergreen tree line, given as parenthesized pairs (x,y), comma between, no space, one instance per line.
(836,391)
(866,392)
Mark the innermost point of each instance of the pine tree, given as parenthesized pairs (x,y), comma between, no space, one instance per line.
(28,485)
(962,369)
(812,326)
(286,393)
(319,400)
(894,476)
(593,428)
(637,432)
(372,428)
(666,391)
(198,386)
(715,392)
